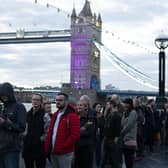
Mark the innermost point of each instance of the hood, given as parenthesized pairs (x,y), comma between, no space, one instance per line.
(6,89)
(70,108)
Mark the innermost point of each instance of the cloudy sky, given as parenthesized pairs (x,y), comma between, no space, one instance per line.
(125,23)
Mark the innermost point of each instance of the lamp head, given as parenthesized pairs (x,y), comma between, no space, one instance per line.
(161,42)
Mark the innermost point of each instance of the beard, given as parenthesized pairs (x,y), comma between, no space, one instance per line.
(60,106)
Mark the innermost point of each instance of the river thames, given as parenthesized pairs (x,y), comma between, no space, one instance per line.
(29,105)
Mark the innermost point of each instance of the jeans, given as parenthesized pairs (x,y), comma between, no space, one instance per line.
(9,160)
(62,161)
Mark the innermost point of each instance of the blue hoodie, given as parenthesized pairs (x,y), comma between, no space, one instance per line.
(14,114)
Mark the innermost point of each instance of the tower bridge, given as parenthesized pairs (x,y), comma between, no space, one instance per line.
(85,55)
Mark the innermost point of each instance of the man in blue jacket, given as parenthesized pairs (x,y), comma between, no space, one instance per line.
(12,124)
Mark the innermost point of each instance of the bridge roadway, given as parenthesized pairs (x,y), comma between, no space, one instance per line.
(129,92)
(35,36)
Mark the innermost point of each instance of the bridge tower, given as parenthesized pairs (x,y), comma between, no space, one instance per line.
(85,57)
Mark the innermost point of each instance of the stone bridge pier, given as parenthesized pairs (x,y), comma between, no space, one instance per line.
(75,94)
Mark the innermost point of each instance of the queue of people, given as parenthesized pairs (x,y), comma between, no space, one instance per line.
(79,135)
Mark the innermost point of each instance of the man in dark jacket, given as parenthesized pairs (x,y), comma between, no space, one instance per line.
(84,146)
(150,124)
(13,123)
(112,130)
(33,149)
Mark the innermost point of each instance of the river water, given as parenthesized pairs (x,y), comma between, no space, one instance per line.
(29,105)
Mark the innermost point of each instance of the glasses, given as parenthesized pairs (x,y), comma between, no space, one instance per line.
(36,99)
(59,100)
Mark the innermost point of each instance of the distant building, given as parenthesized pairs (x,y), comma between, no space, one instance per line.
(110,87)
(66,85)
(47,88)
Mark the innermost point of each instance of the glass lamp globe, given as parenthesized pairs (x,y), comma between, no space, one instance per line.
(161,41)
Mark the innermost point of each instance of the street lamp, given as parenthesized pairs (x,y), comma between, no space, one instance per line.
(161,43)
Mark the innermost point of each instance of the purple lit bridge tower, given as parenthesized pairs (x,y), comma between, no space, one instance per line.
(85,57)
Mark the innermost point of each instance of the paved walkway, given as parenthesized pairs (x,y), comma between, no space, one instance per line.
(157,159)
(153,160)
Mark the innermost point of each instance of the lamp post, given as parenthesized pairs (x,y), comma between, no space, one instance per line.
(161,43)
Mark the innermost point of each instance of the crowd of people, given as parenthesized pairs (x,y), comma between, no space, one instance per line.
(79,135)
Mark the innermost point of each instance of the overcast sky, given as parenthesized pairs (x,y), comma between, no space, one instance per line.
(31,65)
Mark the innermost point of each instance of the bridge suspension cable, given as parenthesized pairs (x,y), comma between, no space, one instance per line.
(136,44)
(131,73)
(133,43)
(126,65)
(67,14)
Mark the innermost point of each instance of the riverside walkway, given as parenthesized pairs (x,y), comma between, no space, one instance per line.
(157,159)
(154,160)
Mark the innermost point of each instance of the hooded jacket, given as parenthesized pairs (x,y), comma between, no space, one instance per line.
(67,134)
(14,114)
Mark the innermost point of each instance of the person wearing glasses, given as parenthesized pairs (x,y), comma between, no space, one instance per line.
(33,148)
(64,131)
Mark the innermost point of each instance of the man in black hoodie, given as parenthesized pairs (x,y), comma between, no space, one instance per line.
(13,123)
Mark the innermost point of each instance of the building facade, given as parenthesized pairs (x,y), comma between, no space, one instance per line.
(85,56)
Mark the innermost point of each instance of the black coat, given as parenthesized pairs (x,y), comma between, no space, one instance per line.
(112,126)
(87,136)
(33,144)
